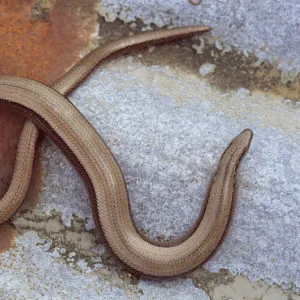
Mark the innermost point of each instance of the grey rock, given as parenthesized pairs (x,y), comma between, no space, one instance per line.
(269,29)
(168,141)
(171,289)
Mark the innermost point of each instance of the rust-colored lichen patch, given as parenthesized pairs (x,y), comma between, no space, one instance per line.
(7,234)
(39,39)
(43,49)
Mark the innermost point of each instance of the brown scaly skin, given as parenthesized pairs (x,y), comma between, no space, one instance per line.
(19,184)
(51,112)
(195,2)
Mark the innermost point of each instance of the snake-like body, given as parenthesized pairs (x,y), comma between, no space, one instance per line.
(47,109)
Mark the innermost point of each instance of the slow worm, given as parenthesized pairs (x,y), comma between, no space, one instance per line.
(51,112)
(195,2)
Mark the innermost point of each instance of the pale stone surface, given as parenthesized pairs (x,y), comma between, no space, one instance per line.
(168,140)
(167,128)
(269,29)
(31,271)
(172,289)
(242,288)
(207,68)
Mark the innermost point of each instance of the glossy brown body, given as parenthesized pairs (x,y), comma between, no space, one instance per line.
(50,111)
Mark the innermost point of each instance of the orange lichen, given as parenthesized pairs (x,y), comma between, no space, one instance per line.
(40,49)
(40,39)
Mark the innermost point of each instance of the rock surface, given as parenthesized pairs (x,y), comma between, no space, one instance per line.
(151,124)
(269,29)
(167,127)
(39,40)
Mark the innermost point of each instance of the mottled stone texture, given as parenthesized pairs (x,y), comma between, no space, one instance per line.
(39,40)
(167,128)
(269,29)
(168,140)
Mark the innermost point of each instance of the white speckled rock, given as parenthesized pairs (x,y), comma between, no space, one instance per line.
(172,289)
(206,69)
(168,140)
(167,128)
(31,271)
(269,29)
